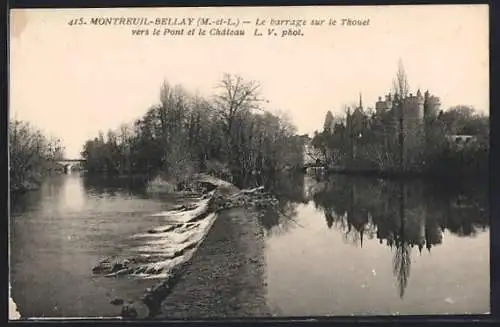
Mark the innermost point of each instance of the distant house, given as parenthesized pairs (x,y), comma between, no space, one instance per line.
(461,141)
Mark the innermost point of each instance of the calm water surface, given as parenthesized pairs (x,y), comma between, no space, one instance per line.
(59,233)
(337,246)
(363,246)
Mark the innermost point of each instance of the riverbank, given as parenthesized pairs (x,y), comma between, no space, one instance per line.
(225,277)
(18,188)
(31,183)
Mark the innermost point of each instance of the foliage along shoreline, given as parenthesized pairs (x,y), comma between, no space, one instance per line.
(31,156)
(441,160)
(409,137)
(230,136)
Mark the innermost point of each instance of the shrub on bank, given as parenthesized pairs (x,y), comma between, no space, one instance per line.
(31,155)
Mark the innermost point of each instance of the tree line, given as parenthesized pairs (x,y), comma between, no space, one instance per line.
(31,155)
(379,141)
(229,135)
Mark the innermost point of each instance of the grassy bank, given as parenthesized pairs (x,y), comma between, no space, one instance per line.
(225,278)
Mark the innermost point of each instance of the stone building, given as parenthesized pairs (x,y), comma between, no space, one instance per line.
(415,112)
(356,124)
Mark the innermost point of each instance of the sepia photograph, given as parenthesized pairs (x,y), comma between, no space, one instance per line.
(248,162)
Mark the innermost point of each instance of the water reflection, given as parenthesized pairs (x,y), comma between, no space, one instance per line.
(290,191)
(404,216)
(324,245)
(112,186)
(73,199)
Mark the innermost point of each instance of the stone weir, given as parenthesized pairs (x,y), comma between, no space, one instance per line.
(163,252)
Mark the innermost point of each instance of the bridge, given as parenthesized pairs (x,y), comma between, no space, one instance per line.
(68,164)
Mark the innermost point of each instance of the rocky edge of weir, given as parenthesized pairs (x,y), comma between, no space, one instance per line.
(234,208)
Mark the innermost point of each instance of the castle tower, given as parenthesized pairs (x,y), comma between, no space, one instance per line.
(383,105)
(420,103)
(379,105)
(431,105)
(414,106)
(411,110)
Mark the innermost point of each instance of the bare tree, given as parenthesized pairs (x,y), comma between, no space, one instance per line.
(286,126)
(230,135)
(401,89)
(172,113)
(400,84)
(237,97)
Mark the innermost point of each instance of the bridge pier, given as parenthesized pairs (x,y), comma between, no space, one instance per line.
(68,164)
(67,169)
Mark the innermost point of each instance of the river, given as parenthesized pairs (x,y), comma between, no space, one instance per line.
(337,246)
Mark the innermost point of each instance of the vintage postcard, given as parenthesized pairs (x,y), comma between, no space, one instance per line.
(245,162)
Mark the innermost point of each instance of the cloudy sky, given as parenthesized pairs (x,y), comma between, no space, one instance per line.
(72,81)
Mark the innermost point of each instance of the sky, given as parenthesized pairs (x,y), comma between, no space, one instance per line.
(72,81)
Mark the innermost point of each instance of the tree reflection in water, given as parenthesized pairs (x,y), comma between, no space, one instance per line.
(110,185)
(290,190)
(403,215)
(402,255)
